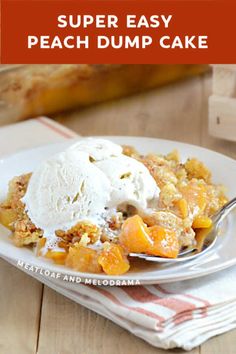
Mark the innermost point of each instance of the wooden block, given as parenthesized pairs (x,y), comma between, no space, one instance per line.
(222,117)
(224,80)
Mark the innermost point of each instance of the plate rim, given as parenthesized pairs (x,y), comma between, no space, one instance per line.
(202,148)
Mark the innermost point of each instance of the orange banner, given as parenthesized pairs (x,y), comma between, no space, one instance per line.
(58,31)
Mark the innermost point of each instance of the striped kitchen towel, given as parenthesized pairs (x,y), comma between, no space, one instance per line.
(182,314)
(32,133)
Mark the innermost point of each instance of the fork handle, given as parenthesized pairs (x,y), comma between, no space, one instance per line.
(225,210)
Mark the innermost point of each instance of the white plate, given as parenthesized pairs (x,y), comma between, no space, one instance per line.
(222,256)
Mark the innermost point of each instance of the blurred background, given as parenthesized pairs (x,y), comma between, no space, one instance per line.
(164,101)
(33,90)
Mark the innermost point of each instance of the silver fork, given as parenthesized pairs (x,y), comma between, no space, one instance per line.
(194,252)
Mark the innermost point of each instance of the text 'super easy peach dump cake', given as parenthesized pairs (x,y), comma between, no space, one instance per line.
(90,206)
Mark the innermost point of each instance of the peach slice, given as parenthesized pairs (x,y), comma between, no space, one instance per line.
(202,222)
(196,196)
(135,236)
(165,242)
(58,257)
(183,207)
(113,259)
(83,259)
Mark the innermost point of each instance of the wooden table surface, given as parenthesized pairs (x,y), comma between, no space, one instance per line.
(35,319)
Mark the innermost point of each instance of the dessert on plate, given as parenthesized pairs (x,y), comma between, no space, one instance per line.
(91,205)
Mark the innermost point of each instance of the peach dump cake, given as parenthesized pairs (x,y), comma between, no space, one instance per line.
(91,205)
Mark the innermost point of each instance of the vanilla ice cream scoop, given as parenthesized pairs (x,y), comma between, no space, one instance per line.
(131,182)
(85,183)
(97,149)
(65,189)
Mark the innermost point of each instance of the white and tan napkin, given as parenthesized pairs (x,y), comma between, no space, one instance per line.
(182,314)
